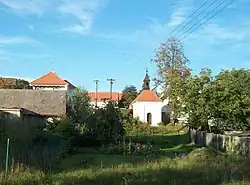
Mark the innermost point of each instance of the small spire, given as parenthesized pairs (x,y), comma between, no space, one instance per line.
(146,81)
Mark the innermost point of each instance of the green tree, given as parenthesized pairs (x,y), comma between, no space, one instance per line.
(21,84)
(230,100)
(12,83)
(128,95)
(198,98)
(106,124)
(79,107)
(172,73)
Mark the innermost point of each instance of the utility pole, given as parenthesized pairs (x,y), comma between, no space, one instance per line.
(111,80)
(96,91)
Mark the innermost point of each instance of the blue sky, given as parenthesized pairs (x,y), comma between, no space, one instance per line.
(85,40)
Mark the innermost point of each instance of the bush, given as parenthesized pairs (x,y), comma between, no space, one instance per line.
(106,124)
(132,148)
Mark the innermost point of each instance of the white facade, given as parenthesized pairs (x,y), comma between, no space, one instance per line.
(50,87)
(142,109)
(70,91)
(100,104)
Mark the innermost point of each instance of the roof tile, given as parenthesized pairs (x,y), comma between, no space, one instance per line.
(116,96)
(147,96)
(49,79)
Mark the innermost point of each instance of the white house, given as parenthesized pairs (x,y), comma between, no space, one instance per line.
(100,99)
(52,81)
(148,107)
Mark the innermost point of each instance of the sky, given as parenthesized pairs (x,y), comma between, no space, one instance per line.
(85,40)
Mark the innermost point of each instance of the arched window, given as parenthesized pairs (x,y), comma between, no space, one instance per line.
(149,118)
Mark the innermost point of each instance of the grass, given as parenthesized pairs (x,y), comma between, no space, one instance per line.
(92,166)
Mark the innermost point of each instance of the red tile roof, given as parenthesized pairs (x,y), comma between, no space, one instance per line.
(147,96)
(49,79)
(116,96)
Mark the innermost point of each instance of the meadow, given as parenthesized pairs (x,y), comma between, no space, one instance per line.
(155,156)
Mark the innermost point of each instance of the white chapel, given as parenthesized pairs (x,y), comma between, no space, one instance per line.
(148,107)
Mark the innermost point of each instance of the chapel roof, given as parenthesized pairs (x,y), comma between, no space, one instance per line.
(147,96)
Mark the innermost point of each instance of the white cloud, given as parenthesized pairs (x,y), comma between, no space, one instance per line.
(81,12)
(216,33)
(180,12)
(27,6)
(5,40)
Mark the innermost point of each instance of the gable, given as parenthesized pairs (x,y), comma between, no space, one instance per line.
(49,79)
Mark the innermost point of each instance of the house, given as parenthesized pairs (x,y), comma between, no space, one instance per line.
(100,99)
(148,107)
(32,106)
(52,81)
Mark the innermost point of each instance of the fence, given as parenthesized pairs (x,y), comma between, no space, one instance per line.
(226,143)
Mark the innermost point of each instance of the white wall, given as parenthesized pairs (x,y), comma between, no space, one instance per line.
(141,109)
(47,87)
(100,104)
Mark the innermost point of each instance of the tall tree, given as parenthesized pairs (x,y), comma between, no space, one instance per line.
(79,108)
(231,100)
(172,73)
(128,95)
(198,98)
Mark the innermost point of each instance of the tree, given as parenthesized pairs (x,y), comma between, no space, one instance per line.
(128,95)
(223,101)
(198,98)
(12,83)
(21,84)
(172,73)
(106,124)
(230,102)
(79,107)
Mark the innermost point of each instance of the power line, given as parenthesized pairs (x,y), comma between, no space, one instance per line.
(198,15)
(187,18)
(216,13)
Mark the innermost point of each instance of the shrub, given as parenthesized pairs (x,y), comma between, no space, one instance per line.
(106,125)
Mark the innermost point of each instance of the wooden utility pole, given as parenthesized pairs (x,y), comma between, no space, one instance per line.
(96,91)
(111,80)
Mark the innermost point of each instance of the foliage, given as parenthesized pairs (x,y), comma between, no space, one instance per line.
(202,166)
(21,84)
(106,125)
(222,101)
(128,95)
(132,148)
(30,146)
(197,99)
(230,103)
(12,83)
(79,108)
(172,73)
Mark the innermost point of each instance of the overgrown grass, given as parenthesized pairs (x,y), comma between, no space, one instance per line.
(162,164)
(202,166)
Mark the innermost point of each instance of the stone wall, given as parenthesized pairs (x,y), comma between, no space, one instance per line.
(228,143)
